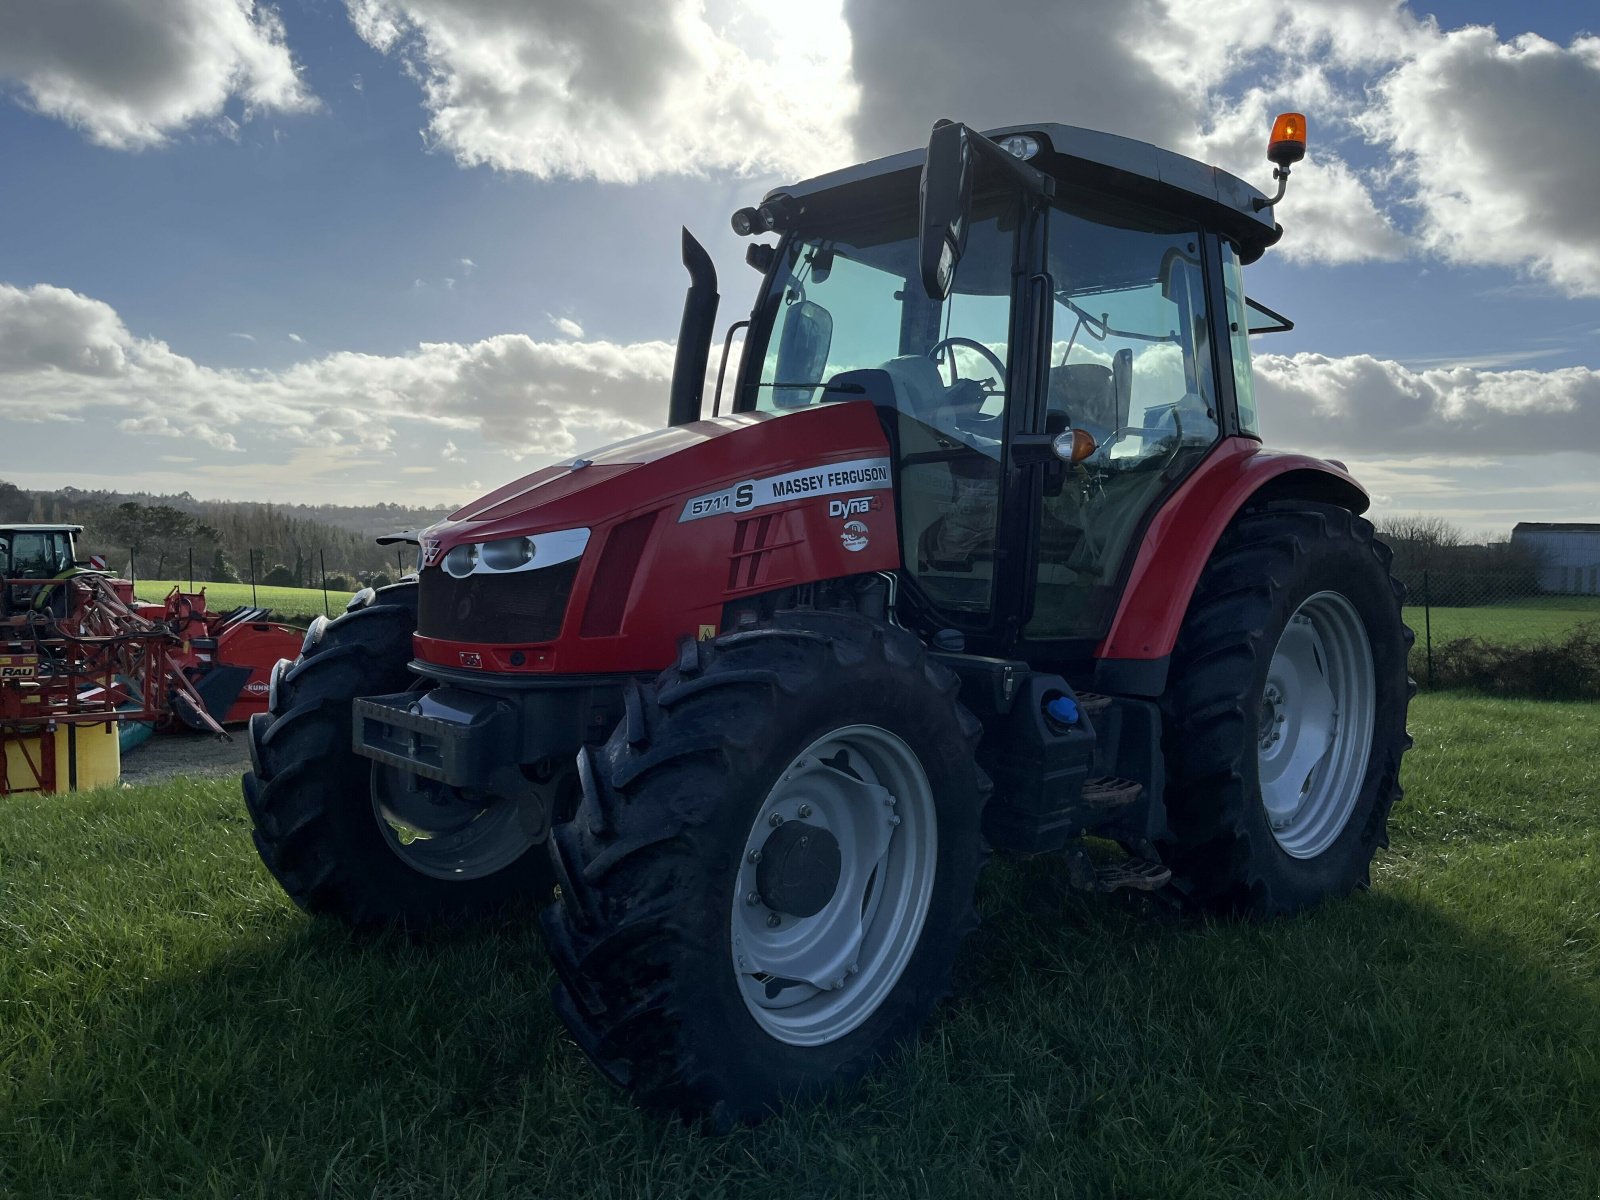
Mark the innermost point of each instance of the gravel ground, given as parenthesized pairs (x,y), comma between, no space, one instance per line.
(186,753)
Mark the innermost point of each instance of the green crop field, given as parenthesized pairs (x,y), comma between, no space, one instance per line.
(1530,619)
(170,1026)
(297,605)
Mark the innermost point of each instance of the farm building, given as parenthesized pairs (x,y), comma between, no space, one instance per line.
(1568,554)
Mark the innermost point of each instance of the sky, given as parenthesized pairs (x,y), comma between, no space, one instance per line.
(360,250)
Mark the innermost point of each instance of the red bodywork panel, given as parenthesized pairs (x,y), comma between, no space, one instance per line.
(1179,541)
(812,512)
(678,570)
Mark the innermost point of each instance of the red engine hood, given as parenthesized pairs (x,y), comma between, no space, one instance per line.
(683,523)
(644,471)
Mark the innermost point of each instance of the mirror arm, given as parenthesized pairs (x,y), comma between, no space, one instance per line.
(722,368)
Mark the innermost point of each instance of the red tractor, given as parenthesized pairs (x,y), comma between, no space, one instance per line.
(985,551)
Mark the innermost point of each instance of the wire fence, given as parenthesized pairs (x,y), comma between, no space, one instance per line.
(263,571)
(1519,632)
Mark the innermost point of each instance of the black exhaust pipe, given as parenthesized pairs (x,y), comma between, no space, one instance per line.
(694,335)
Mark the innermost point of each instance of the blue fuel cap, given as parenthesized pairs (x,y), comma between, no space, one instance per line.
(1063,710)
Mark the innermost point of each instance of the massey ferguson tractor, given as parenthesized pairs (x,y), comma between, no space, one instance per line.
(980,547)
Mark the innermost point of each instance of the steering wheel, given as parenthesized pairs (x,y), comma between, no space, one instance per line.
(970,344)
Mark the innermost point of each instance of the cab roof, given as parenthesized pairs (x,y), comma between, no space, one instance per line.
(50,528)
(1099,162)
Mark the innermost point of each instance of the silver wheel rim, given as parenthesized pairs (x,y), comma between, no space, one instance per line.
(465,838)
(810,980)
(1315,728)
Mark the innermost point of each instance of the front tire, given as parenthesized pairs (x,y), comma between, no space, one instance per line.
(1286,717)
(318,822)
(772,867)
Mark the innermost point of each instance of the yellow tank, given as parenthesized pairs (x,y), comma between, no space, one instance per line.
(87,756)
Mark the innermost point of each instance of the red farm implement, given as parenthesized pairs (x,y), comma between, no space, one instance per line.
(81,660)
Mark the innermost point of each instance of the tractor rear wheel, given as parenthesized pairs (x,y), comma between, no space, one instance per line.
(1286,713)
(772,866)
(341,834)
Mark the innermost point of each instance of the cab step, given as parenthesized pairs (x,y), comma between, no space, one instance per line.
(1108,792)
(1137,874)
(1093,704)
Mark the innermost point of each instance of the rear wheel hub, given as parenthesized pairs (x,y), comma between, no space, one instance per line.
(799,869)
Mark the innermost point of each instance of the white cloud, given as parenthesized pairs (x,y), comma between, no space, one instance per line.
(1423,141)
(1498,147)
(130,74)
(72,356)
(1369,406)
(621,90)
(1140,70)
(296,339)
(566,326)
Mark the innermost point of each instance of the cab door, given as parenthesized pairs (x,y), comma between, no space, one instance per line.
(1133,363)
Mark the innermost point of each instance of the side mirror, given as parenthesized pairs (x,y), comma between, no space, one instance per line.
(945,203)
(802,353)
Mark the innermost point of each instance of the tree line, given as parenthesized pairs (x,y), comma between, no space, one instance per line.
(1438,562)
(157,537)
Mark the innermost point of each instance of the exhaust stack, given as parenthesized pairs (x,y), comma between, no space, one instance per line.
(694,335)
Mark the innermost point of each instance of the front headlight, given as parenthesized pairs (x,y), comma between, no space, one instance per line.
(504,556)
(507,554)
(461,561)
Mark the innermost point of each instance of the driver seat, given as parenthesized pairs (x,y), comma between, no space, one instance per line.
(918,390)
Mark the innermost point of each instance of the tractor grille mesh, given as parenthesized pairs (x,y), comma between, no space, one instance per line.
(495,610)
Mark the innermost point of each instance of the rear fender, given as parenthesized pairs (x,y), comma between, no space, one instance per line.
(1179,542)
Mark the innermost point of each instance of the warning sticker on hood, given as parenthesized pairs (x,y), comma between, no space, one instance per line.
(861,473)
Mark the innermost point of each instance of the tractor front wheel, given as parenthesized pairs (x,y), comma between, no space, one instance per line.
(348,838)
(771,868)
(1286,713)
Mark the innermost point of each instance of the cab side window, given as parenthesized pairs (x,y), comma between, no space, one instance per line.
(1132,366)
(1239,340)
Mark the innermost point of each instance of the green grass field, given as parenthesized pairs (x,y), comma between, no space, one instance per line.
(297,605)
(1530,619)
(170,1026)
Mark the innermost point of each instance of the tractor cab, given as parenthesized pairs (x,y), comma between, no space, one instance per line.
(1084,350)
(33,552)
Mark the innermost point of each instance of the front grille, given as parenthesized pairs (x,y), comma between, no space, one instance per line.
(527,606)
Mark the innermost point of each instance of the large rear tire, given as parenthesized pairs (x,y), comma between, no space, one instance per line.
(771,869)
(318,828)
(1286,716)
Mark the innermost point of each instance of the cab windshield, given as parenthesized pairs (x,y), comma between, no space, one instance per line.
(853,299)
(33,554)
